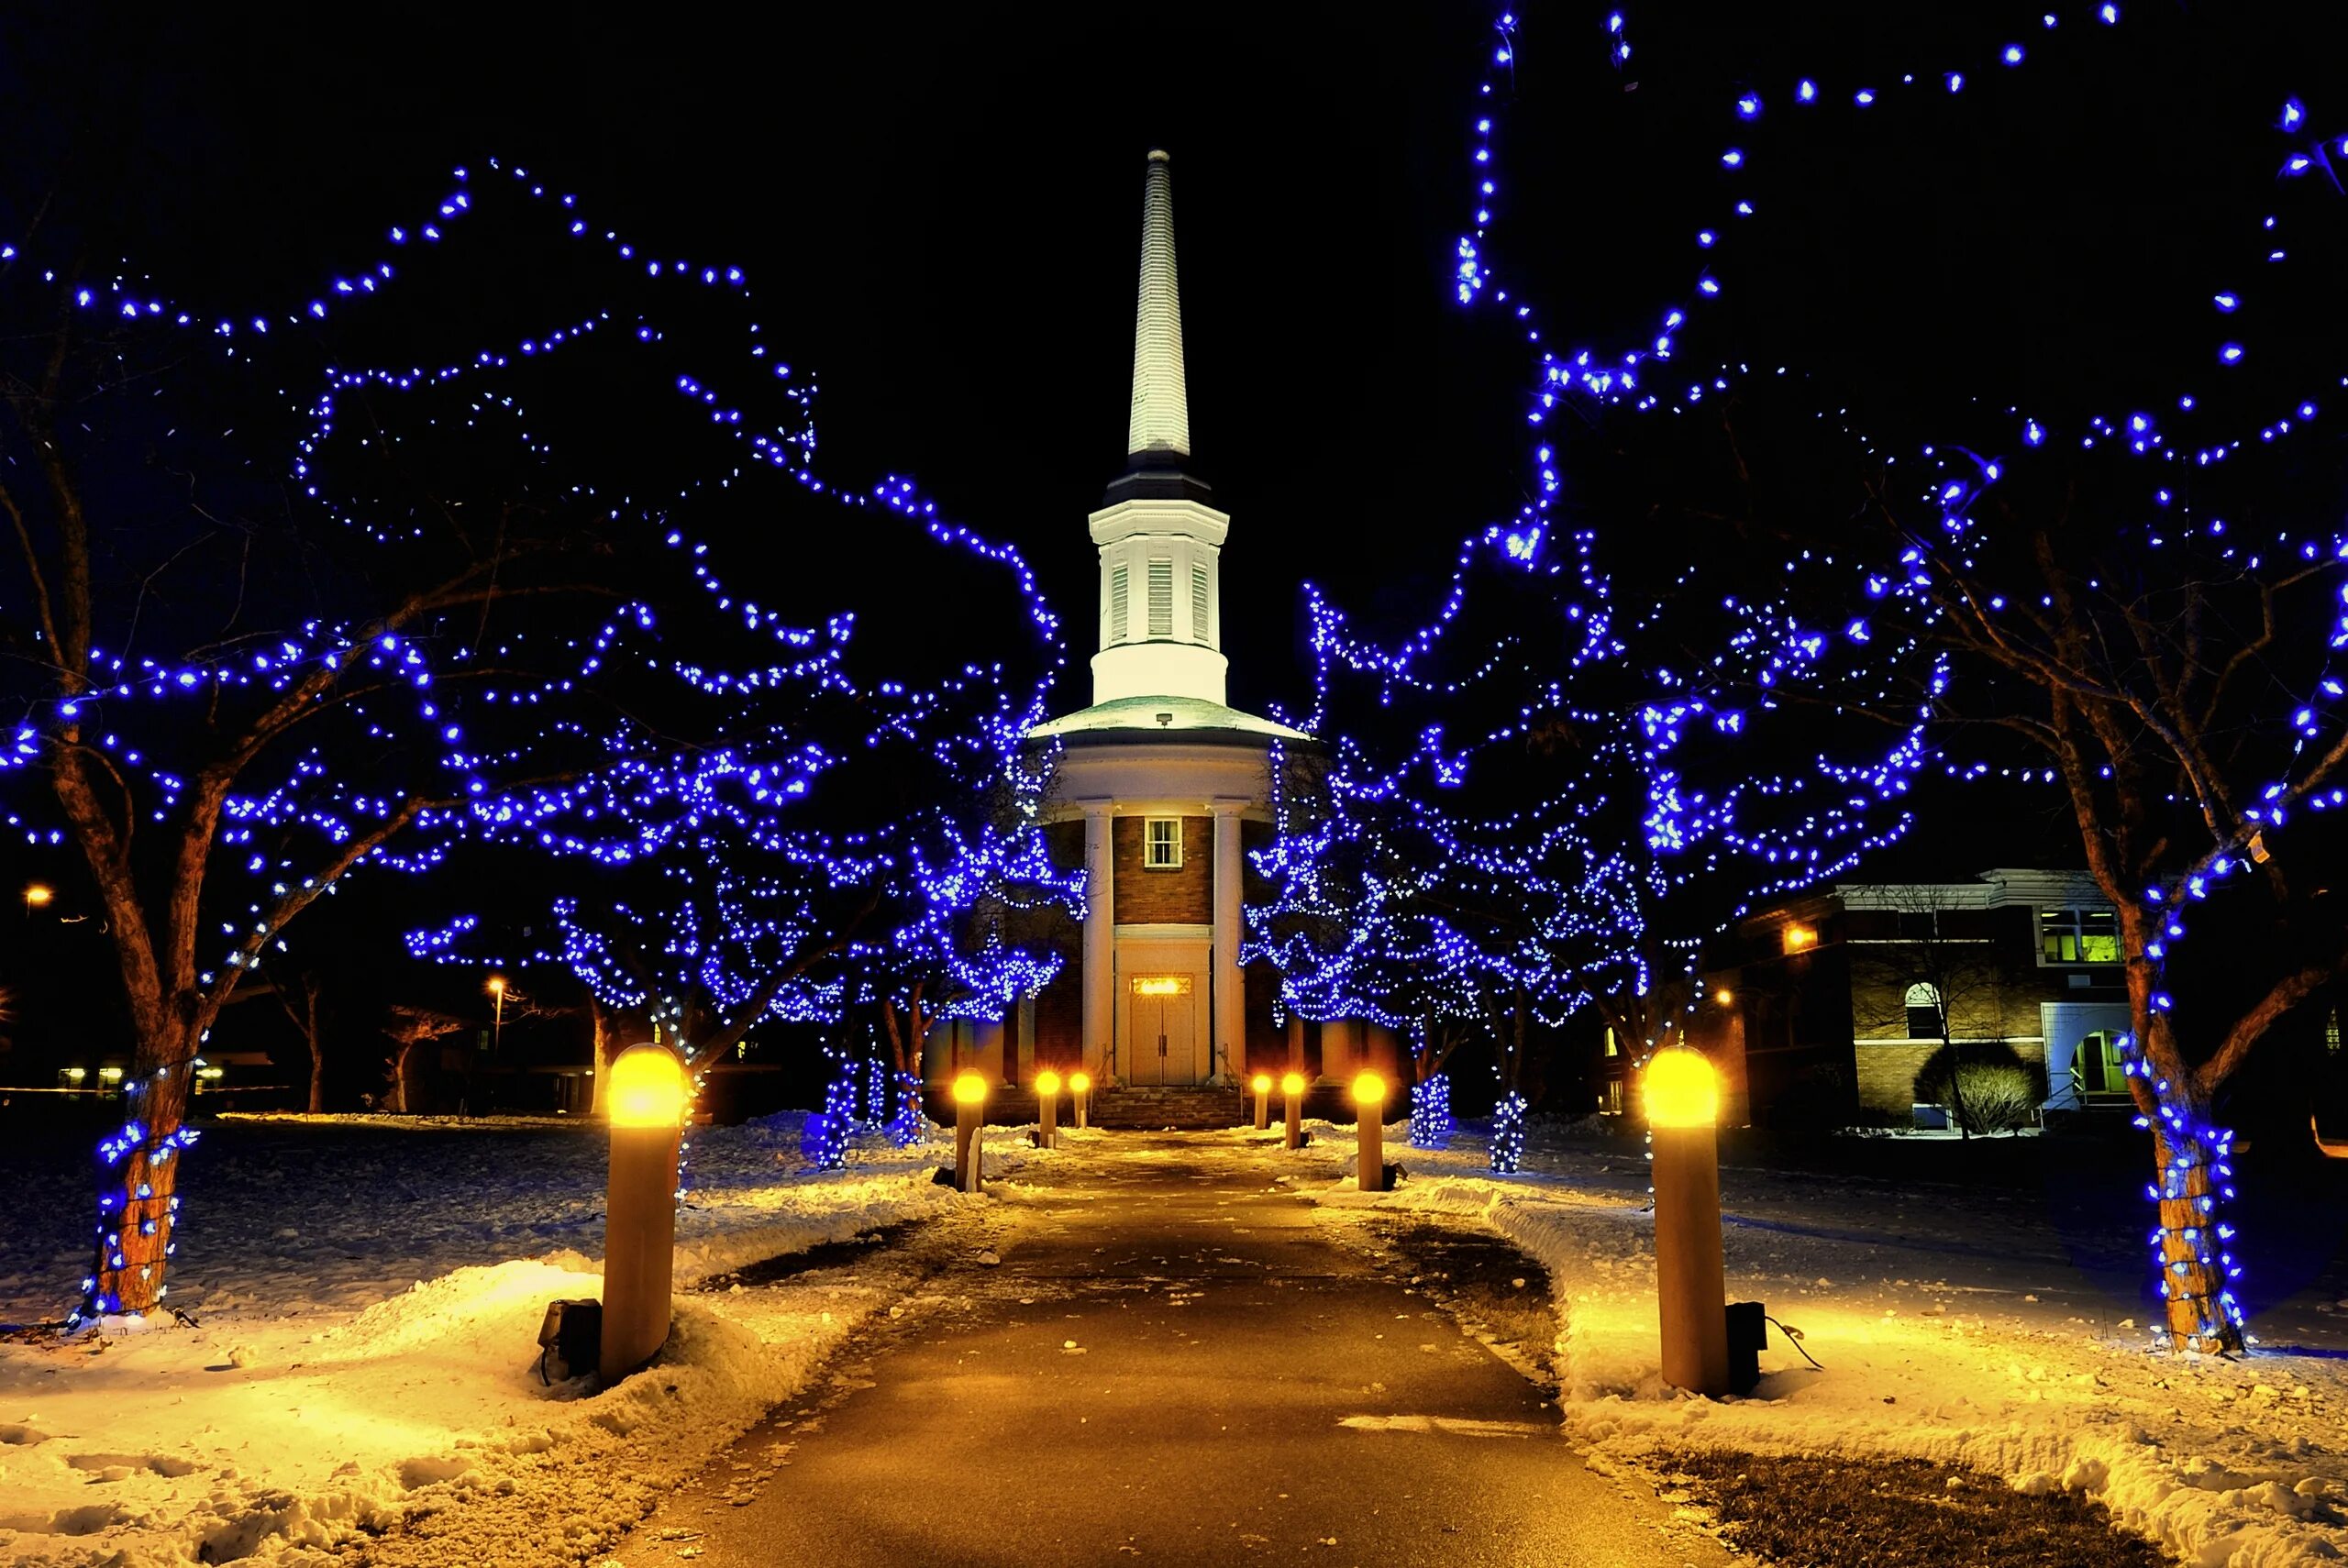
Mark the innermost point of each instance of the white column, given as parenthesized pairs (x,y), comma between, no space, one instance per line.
(1100,938)
(1230,995)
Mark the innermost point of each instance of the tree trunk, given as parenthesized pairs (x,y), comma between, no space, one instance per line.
(599,1054)
(2192,1248)
(137,1180)
(317,1052)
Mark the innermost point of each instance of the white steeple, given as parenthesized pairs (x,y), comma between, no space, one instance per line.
(1162,545)
(1161,416)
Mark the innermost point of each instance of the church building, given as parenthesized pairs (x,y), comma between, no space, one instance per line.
(1162,786)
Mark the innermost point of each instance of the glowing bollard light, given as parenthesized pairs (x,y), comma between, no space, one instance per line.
(1080,1089)
(1047,1109)
(1262,1085)
(969,1109)
(1292,1092)
(1369,1119)
(647,1094)
(1683,1100)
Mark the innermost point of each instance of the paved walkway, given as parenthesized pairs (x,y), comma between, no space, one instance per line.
(1173,1362)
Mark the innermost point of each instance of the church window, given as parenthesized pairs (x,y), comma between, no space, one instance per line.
(1923,1008)
(1116,604)
(1198,603)
(1161,598)
(1162,844)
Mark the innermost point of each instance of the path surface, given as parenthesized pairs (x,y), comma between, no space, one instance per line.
(1174,1362)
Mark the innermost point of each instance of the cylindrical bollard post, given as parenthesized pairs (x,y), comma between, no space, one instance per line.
(1293,1094)
(1080,1089)
(1691,1292)
(1047,1109)
(647,1096)
(1370,1118)
(969,1115)
(1262,1085)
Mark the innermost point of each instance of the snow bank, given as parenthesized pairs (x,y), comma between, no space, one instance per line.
(2241,1464)
(289,1433)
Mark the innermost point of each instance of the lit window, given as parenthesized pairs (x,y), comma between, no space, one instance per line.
(1609,1098)
(1613,1046)
(1162,844)
(2331,1033)
(1923,1011)
(2078,936)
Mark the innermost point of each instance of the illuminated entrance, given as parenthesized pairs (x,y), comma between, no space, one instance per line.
(1163,1031)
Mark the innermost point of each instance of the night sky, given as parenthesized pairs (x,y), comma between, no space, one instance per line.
(938,211)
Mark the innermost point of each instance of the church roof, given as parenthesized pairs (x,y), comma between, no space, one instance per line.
(1157,432)
(1161,412)
(1193,718)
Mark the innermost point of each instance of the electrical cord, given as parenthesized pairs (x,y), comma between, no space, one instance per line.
(1793,1337)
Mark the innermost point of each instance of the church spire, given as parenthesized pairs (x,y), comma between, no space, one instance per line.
(1161,414)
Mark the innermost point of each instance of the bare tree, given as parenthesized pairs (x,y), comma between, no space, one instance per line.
(2164,683)
(299,997)
(409,1028)
(1930,973)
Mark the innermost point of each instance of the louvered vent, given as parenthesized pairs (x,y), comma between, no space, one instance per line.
(1116,604)
(1198,603)
(1161,598)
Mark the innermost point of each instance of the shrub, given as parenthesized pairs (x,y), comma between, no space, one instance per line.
(1986,1088)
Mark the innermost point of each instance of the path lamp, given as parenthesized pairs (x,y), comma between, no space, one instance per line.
(1047,1109)
(1292,1096)
(1683,1098)
(647,1094)
(1080,1089)
(1262,1085)
(1369,1119)
(970,1111)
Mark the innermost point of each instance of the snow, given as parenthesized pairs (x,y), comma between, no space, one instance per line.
(351,1374)
(2226,1464)
(368,1293)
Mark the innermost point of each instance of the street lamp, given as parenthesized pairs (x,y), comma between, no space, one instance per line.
(37,897)
(497,1012)
(1683,1098)
(1080,1089)
(970,1111)
(1262,1085)
(1369,1119)
(647,1096)
(1047,1109)
(1292,1094)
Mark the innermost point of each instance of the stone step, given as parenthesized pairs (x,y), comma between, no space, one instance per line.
(1150,1106)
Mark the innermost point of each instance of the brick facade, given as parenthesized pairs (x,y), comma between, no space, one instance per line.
(1183,896)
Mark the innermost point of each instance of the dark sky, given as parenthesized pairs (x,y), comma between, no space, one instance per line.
(938,208)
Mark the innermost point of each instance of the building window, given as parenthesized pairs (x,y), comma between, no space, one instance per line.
(1923,1011)
(1161,598)
(2095,1066)
(1198,603)
(1609,1098)
(2331,1033)
(1613,1046)
(2078,936)
(1117,604)
(1162,844)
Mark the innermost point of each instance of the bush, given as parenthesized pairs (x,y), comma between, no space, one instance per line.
(1985,1088)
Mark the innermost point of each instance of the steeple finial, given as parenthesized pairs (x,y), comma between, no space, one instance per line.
(1161,414)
